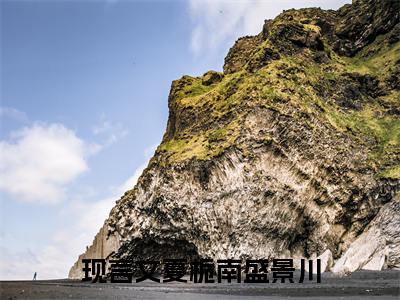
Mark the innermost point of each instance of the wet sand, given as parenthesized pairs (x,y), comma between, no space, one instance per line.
(359,285)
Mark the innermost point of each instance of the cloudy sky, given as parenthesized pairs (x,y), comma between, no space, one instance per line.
(84,87)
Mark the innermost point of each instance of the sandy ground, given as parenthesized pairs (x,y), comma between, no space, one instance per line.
(359,285)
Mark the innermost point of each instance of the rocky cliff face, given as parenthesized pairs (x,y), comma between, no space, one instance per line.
(292,151)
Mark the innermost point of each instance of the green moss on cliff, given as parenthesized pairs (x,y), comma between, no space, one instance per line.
(375,59)
(391,173)
(204,145)
(329,87)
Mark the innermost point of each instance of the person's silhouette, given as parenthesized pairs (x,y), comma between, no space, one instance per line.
(34,276)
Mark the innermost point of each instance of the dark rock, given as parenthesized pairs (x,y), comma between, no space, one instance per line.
(368,84)
(211,77)
(394,36)
(261,60)
(361,22)
(393,80)
(156,249)
(240,52)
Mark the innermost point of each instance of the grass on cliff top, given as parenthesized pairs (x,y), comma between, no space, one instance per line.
(192,88)
(294,82)
(221,96)
(371,122)
(376,59)
(203,146)
(290,80)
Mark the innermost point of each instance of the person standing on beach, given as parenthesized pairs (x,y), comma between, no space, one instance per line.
(34,276)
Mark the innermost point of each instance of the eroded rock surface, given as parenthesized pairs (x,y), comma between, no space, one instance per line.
(292,152)
(378,246)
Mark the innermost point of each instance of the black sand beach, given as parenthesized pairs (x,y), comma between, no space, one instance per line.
(359,285)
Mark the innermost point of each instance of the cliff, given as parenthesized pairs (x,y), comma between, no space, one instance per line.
(292,151)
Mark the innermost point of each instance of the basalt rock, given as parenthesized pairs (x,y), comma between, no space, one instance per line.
(211,77)
(294,151)
(378,245)
(360,23)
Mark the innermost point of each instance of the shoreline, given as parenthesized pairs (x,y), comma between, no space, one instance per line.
(358,285)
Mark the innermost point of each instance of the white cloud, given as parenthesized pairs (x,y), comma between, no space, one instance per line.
(55,259)
(218,23)
(14,114)
(37,162)
(17,264)
(110,131)
(62,249)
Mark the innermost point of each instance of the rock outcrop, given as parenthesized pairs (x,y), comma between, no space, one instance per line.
(378,245)
(292,151)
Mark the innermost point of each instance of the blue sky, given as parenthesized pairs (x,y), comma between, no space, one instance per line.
(84,88)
